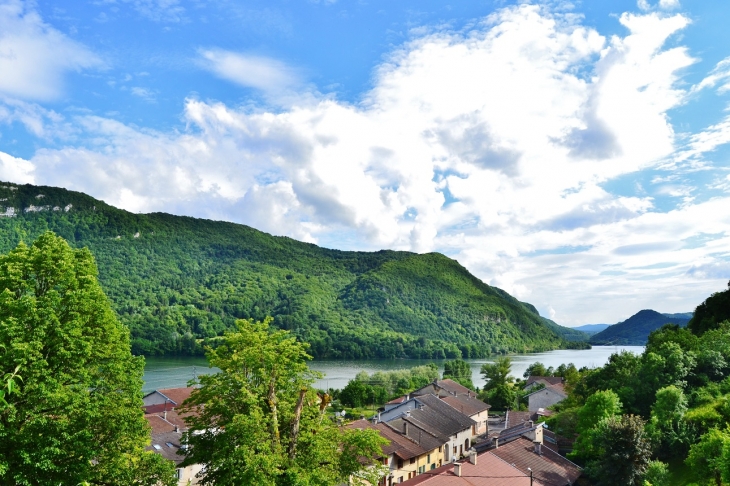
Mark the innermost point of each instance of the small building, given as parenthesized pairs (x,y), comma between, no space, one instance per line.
(404,457)
(165,399)
(546,397)
(430,414)
(543,380)
(167,428)
(547,466)
(473,408)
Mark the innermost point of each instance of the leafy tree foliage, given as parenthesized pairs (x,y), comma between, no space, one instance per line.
(178,283)
(79,416)
(499,388)
(709,314)
(258,421)
(381,386)
(667,426)
(623,451)
(657,474)
(459,371)
(708,457)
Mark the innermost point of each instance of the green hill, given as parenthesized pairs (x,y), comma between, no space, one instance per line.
(635,330)
(178,281)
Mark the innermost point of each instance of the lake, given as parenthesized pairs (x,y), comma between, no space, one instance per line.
(176,372)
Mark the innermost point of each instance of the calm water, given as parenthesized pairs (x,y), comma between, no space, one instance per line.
(176,372)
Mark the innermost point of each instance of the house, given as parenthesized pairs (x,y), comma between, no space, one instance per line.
(546,465)
(546,397)
(428,415)
(442,388)
(404,458)
(165,399)
(167,428)
(543,380)
(473,408)
(480,470)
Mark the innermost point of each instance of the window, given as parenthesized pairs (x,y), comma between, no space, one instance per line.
(178,473)
(400,479)
(454,449)
(440,447)
(428,458)
(421,469)
(400,463)
(413,460)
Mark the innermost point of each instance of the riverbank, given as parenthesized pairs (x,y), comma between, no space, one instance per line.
(176,372)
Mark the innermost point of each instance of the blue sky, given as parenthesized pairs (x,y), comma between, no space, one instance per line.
(574,154)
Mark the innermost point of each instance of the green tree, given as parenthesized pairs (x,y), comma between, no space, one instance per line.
(258,420)
(599,407)
(459,371)
(667,426)
(79,417)
(498,389)
(624,452)
(705,457)
(657,474)
(535,369)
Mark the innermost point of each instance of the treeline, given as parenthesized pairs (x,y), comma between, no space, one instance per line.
(382,386)
(178,283)
(662,416)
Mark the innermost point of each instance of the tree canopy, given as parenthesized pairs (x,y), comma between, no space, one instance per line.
(78,416)
(459,371)
(259,421)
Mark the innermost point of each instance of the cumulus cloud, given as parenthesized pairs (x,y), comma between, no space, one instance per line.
(34,56)
(492,145)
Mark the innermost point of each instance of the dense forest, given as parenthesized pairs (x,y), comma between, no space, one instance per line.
(663,416)
(635,330)
(179,282)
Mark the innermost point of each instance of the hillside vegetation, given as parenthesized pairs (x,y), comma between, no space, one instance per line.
(178,281)
(635,330)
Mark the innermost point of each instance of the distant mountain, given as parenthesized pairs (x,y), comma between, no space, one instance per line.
(635,330)
(591,328)
(179,282)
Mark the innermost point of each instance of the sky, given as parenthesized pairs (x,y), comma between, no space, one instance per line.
(572,154)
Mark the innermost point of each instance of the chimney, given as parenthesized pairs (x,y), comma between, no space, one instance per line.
(538,447)
(379,420)
(496,442)
(473,457)
(164,415)
(177,429)
(530,423)
(408,413)
(457,469)
(405,428)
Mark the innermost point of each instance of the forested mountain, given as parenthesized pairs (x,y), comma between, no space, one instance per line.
(591,328)
(636,329)
(175,281)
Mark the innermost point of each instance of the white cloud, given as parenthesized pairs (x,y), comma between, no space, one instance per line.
(250,71)
(15,169)
(491,145)
(34,56)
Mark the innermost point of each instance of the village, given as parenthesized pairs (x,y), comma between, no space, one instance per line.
(438,434)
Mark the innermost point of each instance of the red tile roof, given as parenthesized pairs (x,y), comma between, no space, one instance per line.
(549,467)
(547,380)
(489,470)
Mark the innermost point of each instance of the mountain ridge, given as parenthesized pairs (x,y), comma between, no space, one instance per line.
(178,282)
(635,330)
